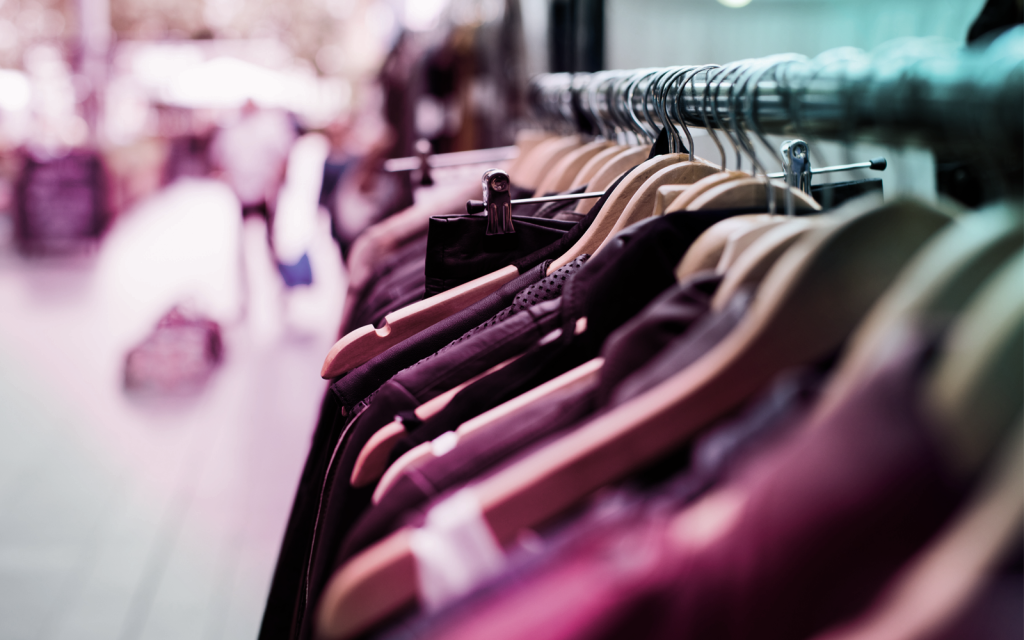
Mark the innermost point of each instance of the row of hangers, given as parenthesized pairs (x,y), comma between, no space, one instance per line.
(916,261)
(925,95)
(970,267)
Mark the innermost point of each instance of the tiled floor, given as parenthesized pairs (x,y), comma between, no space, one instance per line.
(123,518)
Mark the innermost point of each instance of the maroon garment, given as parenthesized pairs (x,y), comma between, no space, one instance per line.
(820,522)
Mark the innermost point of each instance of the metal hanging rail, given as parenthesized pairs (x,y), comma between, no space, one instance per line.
(910,92)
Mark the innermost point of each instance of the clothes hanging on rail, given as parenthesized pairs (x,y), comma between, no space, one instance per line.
(612,443)
(812,510)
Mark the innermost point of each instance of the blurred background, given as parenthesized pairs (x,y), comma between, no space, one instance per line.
(179,184)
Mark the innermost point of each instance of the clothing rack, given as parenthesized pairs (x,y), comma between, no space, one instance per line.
(916,92)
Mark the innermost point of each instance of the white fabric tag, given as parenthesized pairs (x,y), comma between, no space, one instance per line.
(455,551)
(444,443)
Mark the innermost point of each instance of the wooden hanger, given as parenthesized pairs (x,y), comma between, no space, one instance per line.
(740,239)
(390,434)
(526,141)
(641,205)
(372,460)
(754,263)
(974,390)
(735,194)
(561,175)
(530,167)
(666,195)
(545,162)
(589,170)
(937,283)
(607,174)
(385,236)
(706,251)
(614,206)
(743,193)
(795,318)
(582,375)
(364,343)
(702,185)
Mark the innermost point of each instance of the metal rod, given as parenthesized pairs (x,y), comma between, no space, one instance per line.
(453,159)
(476,206)
(875,164)
(963,100)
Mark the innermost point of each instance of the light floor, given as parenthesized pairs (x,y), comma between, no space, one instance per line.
(125,518)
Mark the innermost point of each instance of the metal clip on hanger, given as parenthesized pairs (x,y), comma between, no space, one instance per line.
(796,165)
(497,202)
(423,148)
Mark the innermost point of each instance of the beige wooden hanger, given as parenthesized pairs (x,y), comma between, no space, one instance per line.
(666,195)
(373,458)
(641,204)
(752,266)
(608,173)
(584,374)
(795,318)
(613,207)
(530,167)
(561,175)
(377,451)
(706,251)
(526,141)
(543,164)
(974,390)
(938,283)
(743,193)
(385,236)
(740,239)
(697,188)
(736,194)
(364,343)
(589,170)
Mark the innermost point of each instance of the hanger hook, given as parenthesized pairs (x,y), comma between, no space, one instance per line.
(738,93)
(654,93)
(734,94)
(617,105)
(640,76)
(593,104)
(664,84)
(688,75)
(704,109)
(770,66)
(720,75)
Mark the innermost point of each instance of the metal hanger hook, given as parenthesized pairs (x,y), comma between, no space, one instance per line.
(688,75)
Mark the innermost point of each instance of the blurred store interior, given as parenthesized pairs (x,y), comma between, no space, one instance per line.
(182,184)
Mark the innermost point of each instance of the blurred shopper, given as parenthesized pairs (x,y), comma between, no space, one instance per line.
(251,154)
